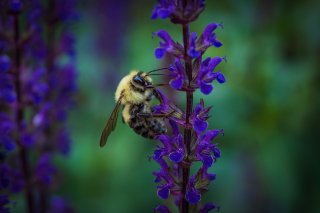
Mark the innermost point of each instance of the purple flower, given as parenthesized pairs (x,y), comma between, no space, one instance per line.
(6,130)
(5,63)
(165,177)
(36,87)
(206,75)
(177,73)
(162,209)
(15,5)
(5,176)
(67,44)
(163,9)
(208,38)
(45,170)
(167,45)
(205,148)
(199,118)
(63,142)
(4,201)
(176,11)
(172,146)
(163,191)
(193,196)
(7,93)
(192,51)
(59,205)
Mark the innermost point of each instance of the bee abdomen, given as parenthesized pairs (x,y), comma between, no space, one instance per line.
(148,128)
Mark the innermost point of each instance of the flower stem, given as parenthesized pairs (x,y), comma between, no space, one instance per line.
(184,205)
(23,154)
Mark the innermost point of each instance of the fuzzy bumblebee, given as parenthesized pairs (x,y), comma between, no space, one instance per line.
(134,93)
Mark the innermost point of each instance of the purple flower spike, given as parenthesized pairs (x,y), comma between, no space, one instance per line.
(188,140)
(162,209)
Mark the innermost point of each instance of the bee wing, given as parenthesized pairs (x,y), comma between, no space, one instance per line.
(111,124)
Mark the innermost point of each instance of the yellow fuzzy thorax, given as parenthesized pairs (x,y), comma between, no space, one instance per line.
(130,96)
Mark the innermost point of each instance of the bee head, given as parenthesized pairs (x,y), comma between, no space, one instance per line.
(141,80)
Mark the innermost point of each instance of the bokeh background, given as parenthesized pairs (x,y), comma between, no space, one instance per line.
(269,107)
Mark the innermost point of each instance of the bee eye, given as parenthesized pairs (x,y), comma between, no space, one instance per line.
(139,80)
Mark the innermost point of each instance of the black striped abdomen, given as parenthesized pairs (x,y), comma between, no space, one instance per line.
(147,127)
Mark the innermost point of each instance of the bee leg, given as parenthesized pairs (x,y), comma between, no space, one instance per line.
(154,115)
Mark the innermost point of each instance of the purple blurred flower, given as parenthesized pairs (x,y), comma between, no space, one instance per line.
(63,142)
(5,63)
(45,170)
(167,45)
(175,11)
(4,201)
(15,5)
(67,44)
(7,93)
(6,130)
(65,10)
(59,205)
(36,88)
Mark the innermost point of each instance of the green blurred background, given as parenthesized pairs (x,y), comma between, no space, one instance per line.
(269,107)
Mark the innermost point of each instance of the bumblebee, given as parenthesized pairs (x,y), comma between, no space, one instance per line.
(134,93)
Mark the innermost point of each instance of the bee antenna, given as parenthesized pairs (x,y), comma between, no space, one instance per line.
(157,85)
(158,74)
(165,68)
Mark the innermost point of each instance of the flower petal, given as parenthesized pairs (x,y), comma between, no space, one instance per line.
(176,156)
(163,192)
(193,196)
(220,78)
(199,125)
(159,52)
(177,83)
(206,88)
